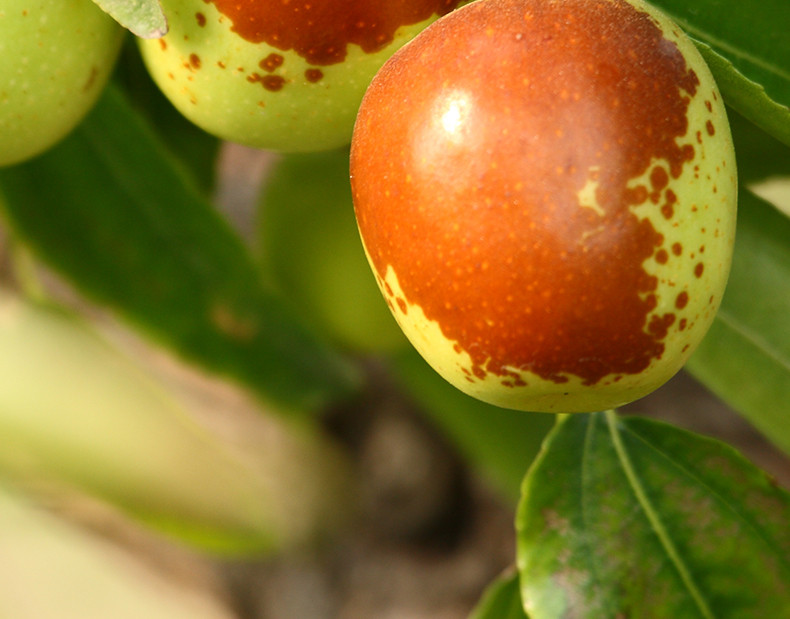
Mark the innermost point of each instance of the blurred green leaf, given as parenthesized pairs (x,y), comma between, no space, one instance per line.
(52,569)
(499,443)
(310,248)
(502,600)
(109,209)
(144,18)
(76,414)
(635,518)
(748,50)
(745,357)
(194,148)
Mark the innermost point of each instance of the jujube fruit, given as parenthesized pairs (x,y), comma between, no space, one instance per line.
(280,75)
(546,192)
(56,58)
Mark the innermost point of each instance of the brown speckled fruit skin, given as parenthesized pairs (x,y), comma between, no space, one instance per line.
(277,75)
(546,192)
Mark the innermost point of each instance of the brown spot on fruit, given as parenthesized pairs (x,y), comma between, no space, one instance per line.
(271,62)
(549,229)
(272,83)
(710,128)
(320,31)
(314,75)
(194,61)
(677,249)
(201,19)
(699,269)
(682,300)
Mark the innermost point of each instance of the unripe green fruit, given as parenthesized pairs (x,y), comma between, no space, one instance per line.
(546,191)
(56,58)
(310,250)
(285,76)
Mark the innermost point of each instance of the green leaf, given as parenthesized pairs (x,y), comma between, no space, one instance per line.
(53,569)
(745,357)
(635,518)
(502,600)
(499,443)
(121,220)
(144,18)
(748,53)
(77,415)
(760,156)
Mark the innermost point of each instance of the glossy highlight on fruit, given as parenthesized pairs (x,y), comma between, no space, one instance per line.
(56,59)
(546,192)
(278,75)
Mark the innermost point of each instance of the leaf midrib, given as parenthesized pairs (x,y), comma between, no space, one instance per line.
(654,518)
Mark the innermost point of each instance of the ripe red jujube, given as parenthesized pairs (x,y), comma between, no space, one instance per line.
(546,192)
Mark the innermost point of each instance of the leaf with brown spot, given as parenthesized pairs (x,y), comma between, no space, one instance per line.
(648,520)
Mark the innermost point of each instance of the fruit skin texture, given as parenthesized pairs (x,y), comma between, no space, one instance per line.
(276,75)
(546,192)
(56,59)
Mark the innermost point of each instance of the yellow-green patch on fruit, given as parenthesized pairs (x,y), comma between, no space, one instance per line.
(278,75)
(546,191)
(56,59)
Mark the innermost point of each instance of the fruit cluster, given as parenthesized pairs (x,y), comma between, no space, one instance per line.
(545,189)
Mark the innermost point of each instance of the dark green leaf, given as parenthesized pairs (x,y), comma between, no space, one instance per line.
(109,209)
(498,442)
(748,50)
(759,155)
(502,600)
(143,18)
(745,358)
(635,518)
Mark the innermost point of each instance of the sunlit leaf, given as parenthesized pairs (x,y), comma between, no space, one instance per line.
(143,18)
(120,219)
(635,518)
(77,415)
(52,569)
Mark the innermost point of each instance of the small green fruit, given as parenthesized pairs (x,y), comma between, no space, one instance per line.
(279,75)
(56,59)
(310,249)
(546,191)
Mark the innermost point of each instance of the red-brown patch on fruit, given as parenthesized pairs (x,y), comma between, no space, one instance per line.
(272,83)
(313,75)
(271,62)
(194,61)
(320,31)
(682,300)
(699,269)
(500,150)
(201,19)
